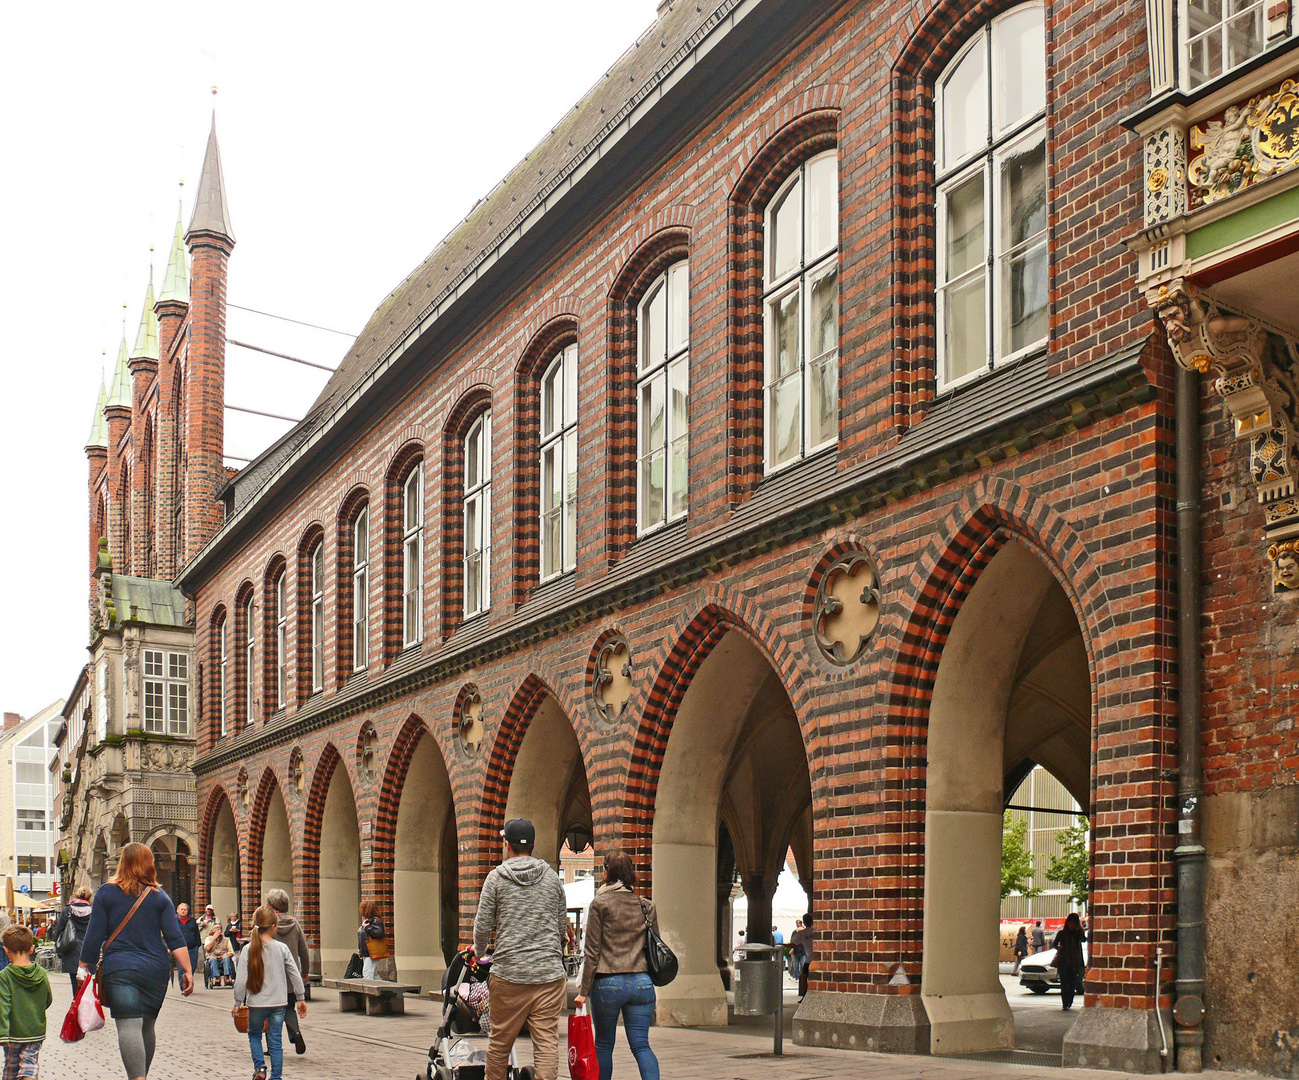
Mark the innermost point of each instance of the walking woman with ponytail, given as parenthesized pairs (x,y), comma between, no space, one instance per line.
(264,974)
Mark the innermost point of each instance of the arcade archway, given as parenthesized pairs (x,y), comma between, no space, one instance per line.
(1013,688)
(277,848)
(224,880)
(339,874)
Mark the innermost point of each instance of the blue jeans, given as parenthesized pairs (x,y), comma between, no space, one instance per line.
(633,996)
(274,1020)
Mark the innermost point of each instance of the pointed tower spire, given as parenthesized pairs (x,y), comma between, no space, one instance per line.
(98,439)
(146,341)
(120,395)
(175,284)
(211,214)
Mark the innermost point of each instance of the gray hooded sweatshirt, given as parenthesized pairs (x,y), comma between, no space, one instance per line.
(523,901)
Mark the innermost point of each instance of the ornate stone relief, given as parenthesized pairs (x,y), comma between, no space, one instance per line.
(1244,144)
(612,686)
(298,771)
(243,787)
(365,751)
(1255,377)
(847,608)
(162,757)
(469,721)
(1285,565)
(1165,175)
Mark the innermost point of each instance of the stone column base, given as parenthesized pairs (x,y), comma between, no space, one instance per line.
(884,1023)
(1126,1040)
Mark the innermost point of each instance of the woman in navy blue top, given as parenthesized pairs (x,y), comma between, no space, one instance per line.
(136,966)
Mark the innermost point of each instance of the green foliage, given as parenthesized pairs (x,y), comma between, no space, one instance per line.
(1071,866)
(1016,862)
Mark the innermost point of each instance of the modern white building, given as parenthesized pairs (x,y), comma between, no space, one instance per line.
(27,827)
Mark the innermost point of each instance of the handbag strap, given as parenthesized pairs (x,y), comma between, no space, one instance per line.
(644,912)
(120,927)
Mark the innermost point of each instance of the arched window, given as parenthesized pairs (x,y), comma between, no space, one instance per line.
(558,465)
(801,312)
(991,198)
(220,687)
(318,618)
(412,586)
(180,463)
(125,502)
(250,679)
(361,590)
(478,516)
(281,628)
(663,399)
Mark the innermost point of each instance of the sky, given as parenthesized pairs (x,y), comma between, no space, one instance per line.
(353,138)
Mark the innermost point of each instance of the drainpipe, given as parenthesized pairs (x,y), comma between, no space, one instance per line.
(1188,856)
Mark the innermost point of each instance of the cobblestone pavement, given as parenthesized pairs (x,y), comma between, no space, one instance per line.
(197,1039)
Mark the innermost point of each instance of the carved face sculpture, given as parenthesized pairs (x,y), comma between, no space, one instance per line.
(1285,572)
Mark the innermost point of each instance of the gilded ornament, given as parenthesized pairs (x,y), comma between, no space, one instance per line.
(1158,178)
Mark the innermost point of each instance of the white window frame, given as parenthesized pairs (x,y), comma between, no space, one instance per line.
(222,671)
(281,642)
(318,617)
(478,497)
(166,693)
(558,402)
(250,681)
(1257,8)
(1000,146)
(670,372)
(412,557)
(361,590)
(775,288)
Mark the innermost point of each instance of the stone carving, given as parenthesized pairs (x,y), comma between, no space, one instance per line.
(243,787)
(469,724)
(1246,144)
(613,685)
(365,751)
(298,771)
(1165,175)
(1285,565)
(1255,377)
(163,757)
(847,608)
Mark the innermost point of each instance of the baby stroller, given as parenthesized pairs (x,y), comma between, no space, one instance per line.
(461,1050)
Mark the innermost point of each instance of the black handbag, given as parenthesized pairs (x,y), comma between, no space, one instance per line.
(660,961)
(67,943)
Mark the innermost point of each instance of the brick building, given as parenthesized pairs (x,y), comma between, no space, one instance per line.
(786,455)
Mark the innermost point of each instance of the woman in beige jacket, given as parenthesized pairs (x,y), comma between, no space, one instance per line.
(614,975)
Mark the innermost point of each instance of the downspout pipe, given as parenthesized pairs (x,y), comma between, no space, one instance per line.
(1189,855)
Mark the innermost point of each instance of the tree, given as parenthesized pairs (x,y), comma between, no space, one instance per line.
(1016,862)
(1071,867)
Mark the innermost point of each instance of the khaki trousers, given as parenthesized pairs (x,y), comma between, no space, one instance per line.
(536,1004)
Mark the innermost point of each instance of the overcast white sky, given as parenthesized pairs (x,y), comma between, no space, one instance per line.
(353,138)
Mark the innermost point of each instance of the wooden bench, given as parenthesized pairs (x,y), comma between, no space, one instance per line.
(373,996)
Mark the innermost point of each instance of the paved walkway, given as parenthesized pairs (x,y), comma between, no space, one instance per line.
(197,1039)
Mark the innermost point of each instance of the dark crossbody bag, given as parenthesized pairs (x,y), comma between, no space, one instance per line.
(660,961)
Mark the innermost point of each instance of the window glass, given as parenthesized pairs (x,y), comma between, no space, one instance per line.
(280,629)
(822,206)
(318,618)
(249,667)
(1024,269)
(412,559)
(785,228)
(1220,36)
(1019,44)
(679,313)
(653,331)
(361,589)
(478,516)
(965,107)
(558,495)
(663,402)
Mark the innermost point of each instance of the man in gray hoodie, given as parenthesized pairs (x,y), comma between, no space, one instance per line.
(523,903)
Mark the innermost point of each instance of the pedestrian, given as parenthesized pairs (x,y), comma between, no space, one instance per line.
(371,940)
(234,932)
(24,996)
(134,923)
(265,974)
(220,957)
(193,938)
(288,931)
(1021,948)
(1069,960)
(78,914)
(614,974)
(1039,937)
(207,920)
(523,903)
(801,941)
(777,938)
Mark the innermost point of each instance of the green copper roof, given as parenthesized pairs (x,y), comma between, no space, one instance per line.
(175,285)
(146,341)
(120,394)
(147,600)
(98,432)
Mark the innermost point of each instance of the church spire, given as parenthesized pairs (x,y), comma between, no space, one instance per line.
(98,439)
(175,283)
(211,214)
(146,341)
(120,395)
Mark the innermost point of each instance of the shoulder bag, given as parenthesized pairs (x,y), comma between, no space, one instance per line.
(660,961)
(67,940)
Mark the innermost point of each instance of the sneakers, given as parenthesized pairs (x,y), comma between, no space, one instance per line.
(299,1043)
(260,1074)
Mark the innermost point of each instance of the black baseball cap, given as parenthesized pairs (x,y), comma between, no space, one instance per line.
(519,832)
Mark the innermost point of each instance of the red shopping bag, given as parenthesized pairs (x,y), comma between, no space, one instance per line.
(85,1014)
(582,1064)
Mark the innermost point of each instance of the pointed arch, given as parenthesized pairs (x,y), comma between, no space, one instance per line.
(313,818)
(257,822)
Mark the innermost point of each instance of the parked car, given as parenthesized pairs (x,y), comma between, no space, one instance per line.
(1038,975)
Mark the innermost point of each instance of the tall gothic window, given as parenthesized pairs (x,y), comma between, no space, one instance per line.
(361,589)
(991,204)
(558,465)
(801,304)
(318,618)
(281,629)
(412,587)
(663,399)
(478,516)
(220,691)
(250,681)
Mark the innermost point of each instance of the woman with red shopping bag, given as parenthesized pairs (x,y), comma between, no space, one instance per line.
(582,1062)
(615,976)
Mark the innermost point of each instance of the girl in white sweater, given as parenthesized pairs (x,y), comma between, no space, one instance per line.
(264,973)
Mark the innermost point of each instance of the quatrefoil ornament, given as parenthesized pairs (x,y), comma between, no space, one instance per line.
(470,724)
(365,751)
(613,685)
(847,608)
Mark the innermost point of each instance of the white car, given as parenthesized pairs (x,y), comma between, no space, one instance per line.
(1038,975)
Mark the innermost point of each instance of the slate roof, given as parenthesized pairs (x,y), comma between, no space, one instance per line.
(211,213)
(156,602)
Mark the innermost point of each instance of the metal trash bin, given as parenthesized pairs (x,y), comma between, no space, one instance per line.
(760,986)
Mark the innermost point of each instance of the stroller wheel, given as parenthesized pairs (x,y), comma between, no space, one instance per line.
(443,1073)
